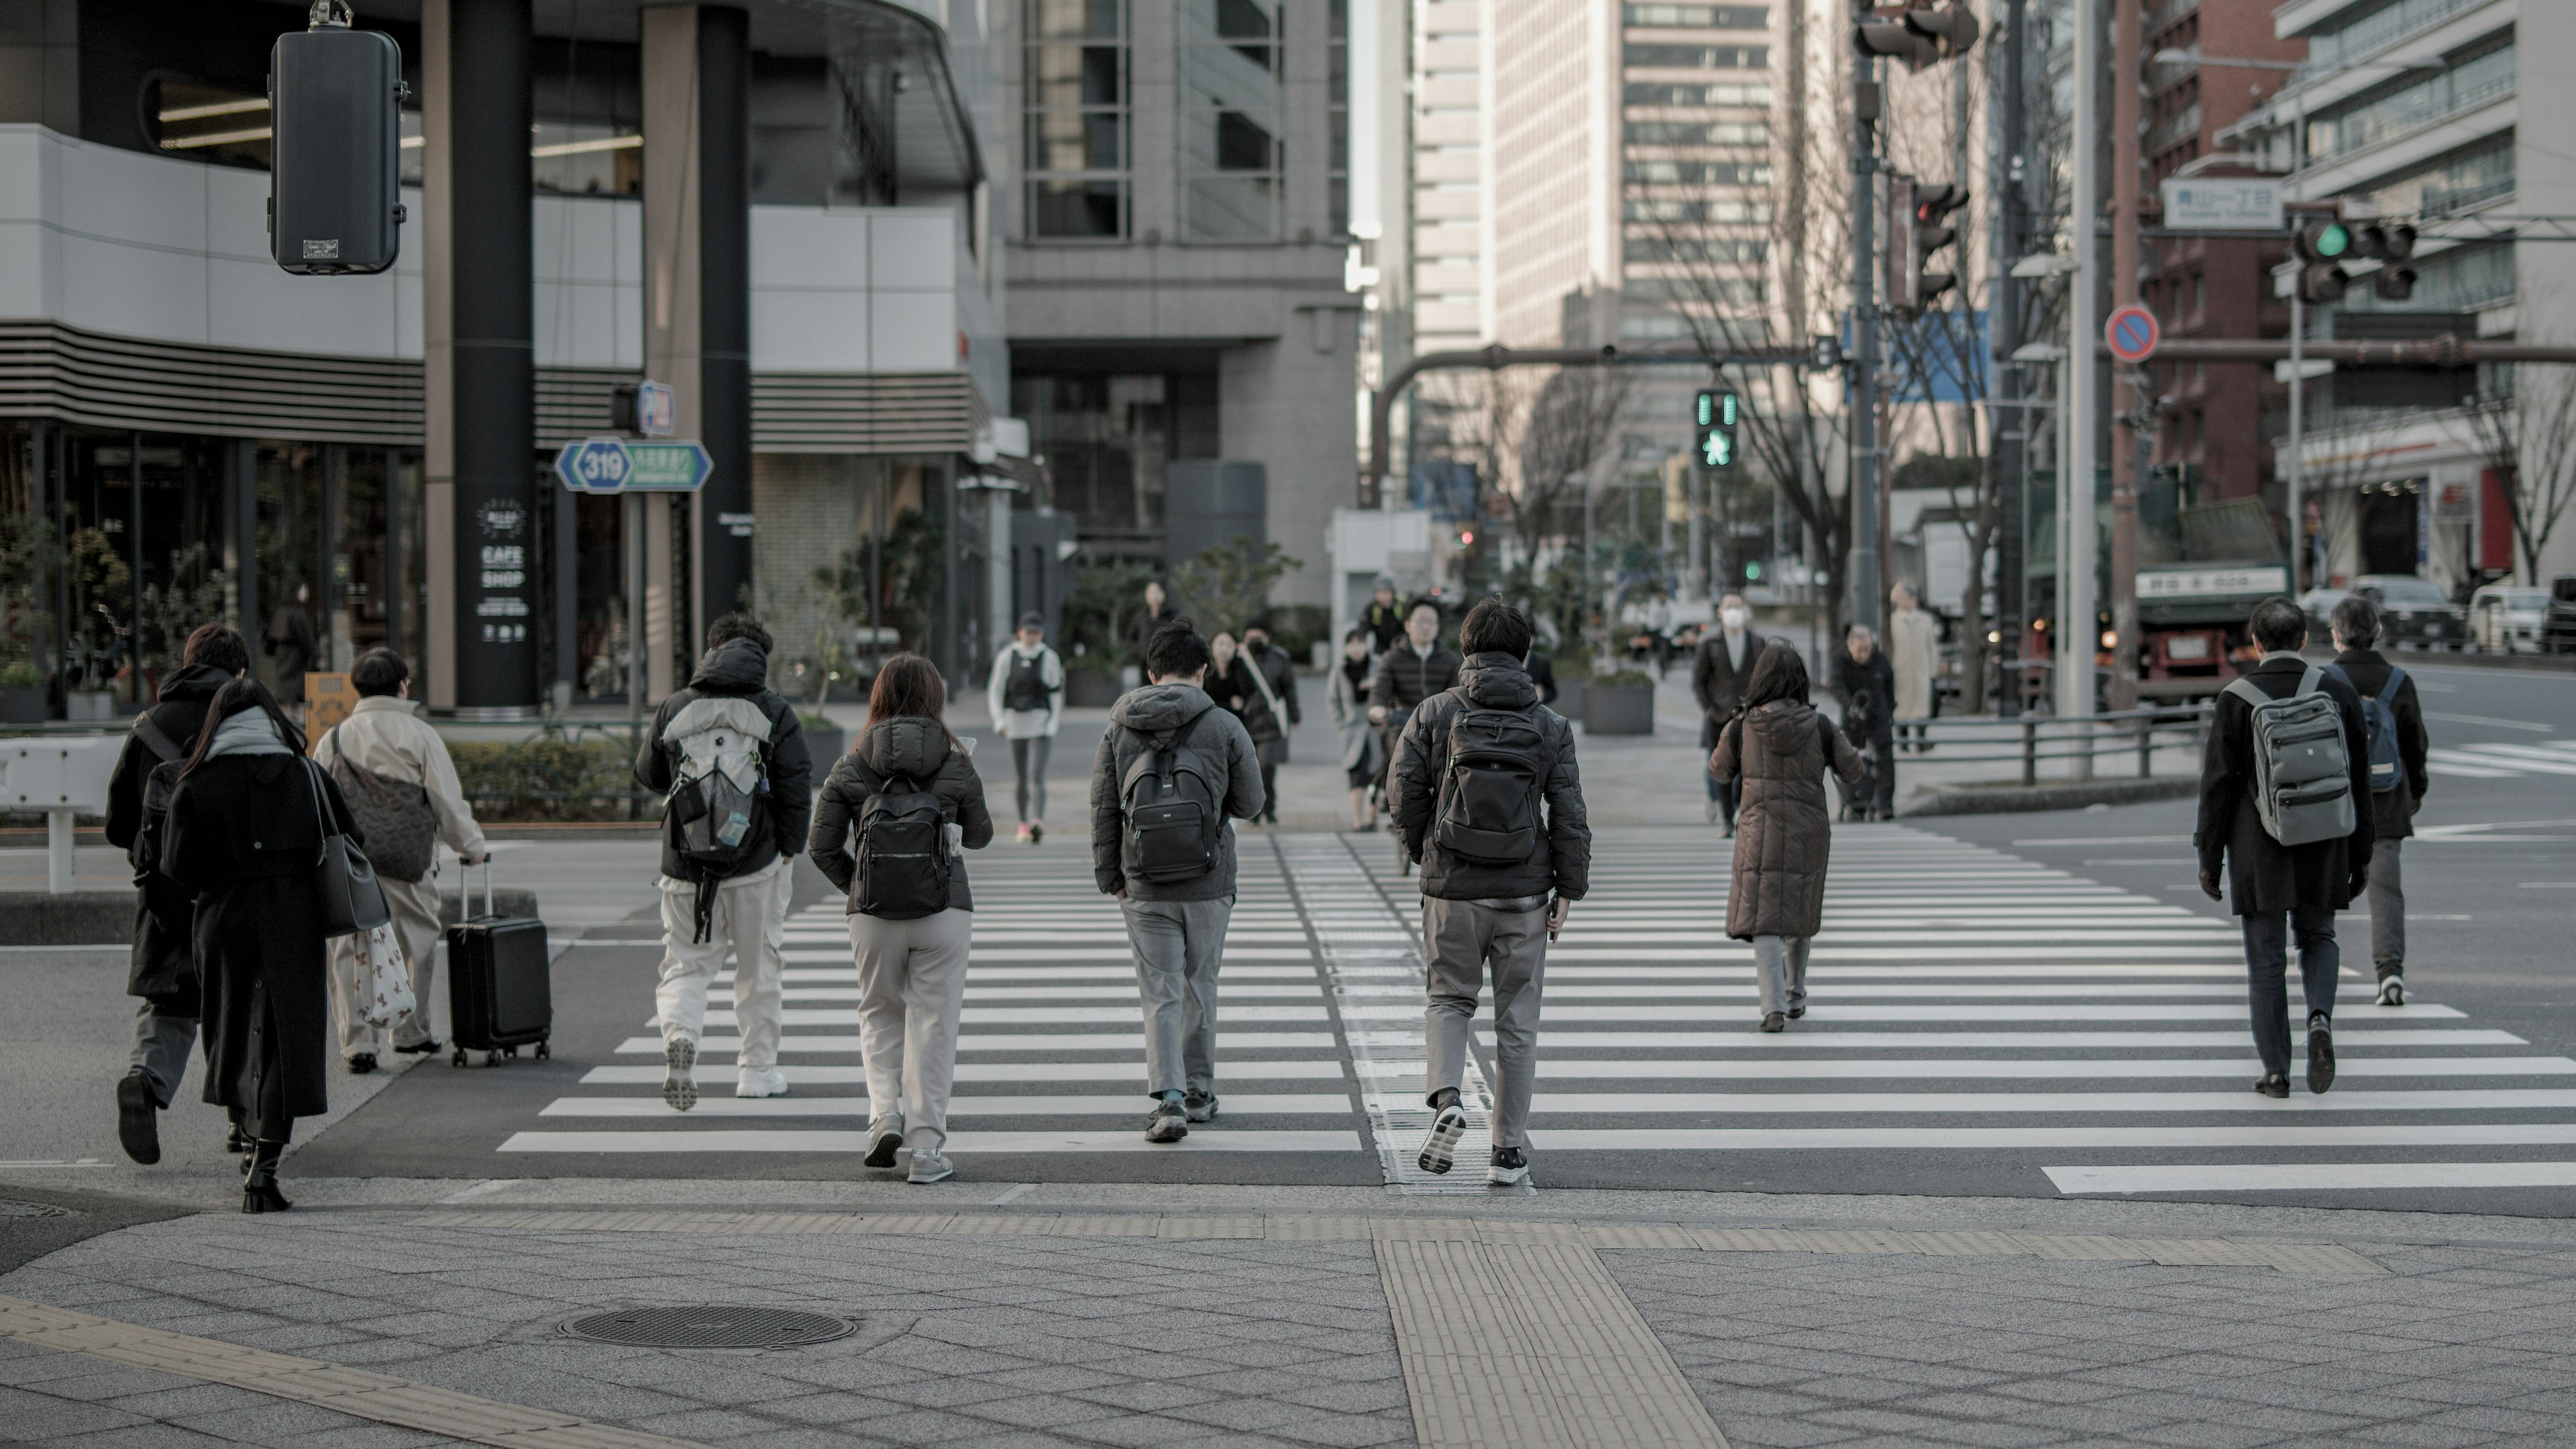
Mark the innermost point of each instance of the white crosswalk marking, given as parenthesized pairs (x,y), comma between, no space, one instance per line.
(2504,761)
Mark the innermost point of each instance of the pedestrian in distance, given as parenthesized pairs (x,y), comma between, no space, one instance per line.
(1780,748)
(909,794)
(1415,669)
(1913,657)
(1489,804)
(291,645)
(2393,713)
(2295,848)
(1239,688)
(1273,668)
(1173,770)
(1718,675)
(1384,618)
(1346,692)
(729,758)
(396,774)
(245,827)
(1865,685)
(1025,700)
(163,971)
(1150,620)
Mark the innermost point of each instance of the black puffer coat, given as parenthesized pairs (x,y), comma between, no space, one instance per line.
(1149,718)
(738,668)
(164,967)
(914,746)
(1783,837)
(1562,861)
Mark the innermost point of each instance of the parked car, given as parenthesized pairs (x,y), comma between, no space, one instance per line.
(2318,604)
(2414,611)
(2507,619)
(2558,628)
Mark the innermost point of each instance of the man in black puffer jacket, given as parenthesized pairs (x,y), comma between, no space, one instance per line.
(739,899)
(164,973)
(1502,908)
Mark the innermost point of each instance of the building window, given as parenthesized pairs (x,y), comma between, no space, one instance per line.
(1725,93)
(1698,133)
(1337,58)
(1699,57)
(1702,17)
(1078,118)
(1232,54)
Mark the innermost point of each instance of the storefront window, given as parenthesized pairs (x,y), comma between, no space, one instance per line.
(1108,439)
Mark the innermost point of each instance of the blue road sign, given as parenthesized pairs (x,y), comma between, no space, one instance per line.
(615,465)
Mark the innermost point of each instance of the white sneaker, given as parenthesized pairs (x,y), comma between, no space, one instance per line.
(2392,992)
(760,1082)
(1440,1148)
(929,1166)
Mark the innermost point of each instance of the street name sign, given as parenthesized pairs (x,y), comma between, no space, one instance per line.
(2223,203)
(622,465)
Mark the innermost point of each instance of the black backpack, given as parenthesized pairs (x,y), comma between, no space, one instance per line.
(1174,811)
(1026,687)
(145,853)
(1489,790)
(903,867)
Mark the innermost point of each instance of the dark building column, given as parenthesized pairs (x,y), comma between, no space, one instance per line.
(697,300)
(481,405)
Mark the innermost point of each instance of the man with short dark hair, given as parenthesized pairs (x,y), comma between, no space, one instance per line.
(2269,882)
(164,967)
(2355,623)
(725,880)
(1176,923)
(1024,696)
(1725,662)
(1865,685)
(396,774)
(1384,618)
(1497,825)
(1414,669)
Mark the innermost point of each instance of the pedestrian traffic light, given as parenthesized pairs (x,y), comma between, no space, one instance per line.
(335,119)
(1919,34)
(1917,215)
(1719,413)
(2391,245)
(2320,246)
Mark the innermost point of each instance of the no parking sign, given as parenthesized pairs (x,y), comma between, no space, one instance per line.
(2133,334)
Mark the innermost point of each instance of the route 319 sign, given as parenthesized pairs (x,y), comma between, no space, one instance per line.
(618,465)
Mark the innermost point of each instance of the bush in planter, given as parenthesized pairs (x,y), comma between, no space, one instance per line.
(1620,703)
(549,777)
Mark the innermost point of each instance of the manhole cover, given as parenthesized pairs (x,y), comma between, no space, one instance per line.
(711,1327)
(11,1208)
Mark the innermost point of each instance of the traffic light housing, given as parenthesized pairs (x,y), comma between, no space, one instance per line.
(2321,247)
(1921,35)
(1918,226)
(2392,245)
(1719,414)
(334,181)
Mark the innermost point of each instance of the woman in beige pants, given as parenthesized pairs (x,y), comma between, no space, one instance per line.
(911,798)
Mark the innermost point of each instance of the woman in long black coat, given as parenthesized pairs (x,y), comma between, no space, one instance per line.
(244,834)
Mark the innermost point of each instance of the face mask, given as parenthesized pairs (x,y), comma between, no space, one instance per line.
(1735,618)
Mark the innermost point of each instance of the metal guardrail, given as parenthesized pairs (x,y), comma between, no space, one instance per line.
(2031,738)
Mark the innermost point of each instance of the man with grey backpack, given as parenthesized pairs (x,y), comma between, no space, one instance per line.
(2285,806)
(395,772)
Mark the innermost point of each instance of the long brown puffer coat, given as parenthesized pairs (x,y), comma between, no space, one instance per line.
(1782,833)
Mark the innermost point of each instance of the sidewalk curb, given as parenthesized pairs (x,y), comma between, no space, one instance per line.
(82,918)
(2001,799)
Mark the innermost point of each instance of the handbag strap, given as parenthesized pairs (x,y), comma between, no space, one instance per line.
(321,820)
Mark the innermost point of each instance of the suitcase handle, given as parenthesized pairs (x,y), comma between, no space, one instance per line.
(465,876)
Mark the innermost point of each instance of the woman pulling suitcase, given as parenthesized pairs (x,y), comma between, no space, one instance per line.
(912,798)
(244,833)
(1779,748)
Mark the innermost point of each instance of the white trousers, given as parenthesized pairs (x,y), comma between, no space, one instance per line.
(750,920)
(414,904)
(912,984)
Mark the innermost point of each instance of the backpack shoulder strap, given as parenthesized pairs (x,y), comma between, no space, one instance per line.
(2312,679)
(2388,690)
(2245,689)
(156,739)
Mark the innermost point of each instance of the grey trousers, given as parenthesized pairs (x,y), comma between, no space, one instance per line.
(912,984)
(2387,909)
(161,1047)
(1179,946)
(1780,967)
(1461,941)
(1029,763)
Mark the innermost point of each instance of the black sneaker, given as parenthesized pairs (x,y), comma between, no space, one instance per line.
(1170,1122)
(430,1044)
(1797,1011)
(2320,1053)
(2273,1085)
(361,1064)
(1775,1021)
(1200,1106)
(138,1119)
(1037,832)
(1440,1149)
(2392,991)
(1510,1169)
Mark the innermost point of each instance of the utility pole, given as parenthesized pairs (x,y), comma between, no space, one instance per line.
(1863,402)
(2014,435)
(2076,542)
(2125,78)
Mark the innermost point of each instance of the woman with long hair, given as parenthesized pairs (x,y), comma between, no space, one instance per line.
(1779,747)
(244,833)
(911,797)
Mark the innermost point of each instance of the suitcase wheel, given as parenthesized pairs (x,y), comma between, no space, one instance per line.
(457,1060)
(491,1059)
(511,1052)
(543,1053)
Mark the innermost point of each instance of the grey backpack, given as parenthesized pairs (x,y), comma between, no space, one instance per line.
(2302,771)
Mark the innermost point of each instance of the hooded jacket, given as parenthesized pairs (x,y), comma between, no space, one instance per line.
(1142,720)
(1563,860)
(1783,837)
(739,669)
(908,745)
(164,966)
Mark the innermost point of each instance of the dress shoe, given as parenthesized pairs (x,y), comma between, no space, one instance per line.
(362,1064)
(2320,1053)
(2273,1085)
(1774,1021)
(426,1044)
(259,1184)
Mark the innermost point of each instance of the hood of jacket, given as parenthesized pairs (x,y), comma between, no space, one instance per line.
(905,745)
(1497,681)
(1157,709)
(737,666)
(193,682)
(1782,724)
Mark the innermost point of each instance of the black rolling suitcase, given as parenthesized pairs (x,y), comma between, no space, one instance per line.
(500,992)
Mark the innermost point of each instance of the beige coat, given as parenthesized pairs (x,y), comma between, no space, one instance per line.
(383,735)
(1782,836)
(1914,650)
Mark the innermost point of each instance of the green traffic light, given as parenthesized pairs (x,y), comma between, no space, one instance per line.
(2333,239)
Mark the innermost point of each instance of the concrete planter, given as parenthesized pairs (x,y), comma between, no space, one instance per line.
(825,743)
(1569,697)
(1090,689)
(22,704)
(1619,709)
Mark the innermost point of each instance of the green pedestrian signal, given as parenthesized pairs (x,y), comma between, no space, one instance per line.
(1717,413)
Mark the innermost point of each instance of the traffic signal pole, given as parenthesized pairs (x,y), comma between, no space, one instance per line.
(2075,531)
(1862,396)
(2128,435)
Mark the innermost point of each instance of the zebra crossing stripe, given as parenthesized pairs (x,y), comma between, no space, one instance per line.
(2310,1176)
(1228,1043)
(1102,1104)
(753,1140)
(1906,1139)
(1130,1071)
(2057,1069)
